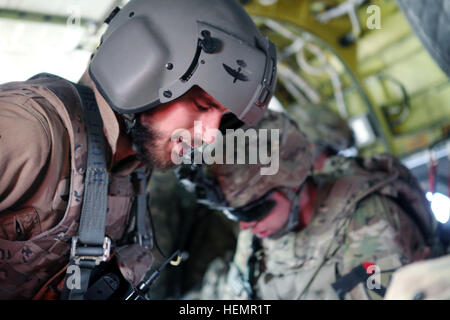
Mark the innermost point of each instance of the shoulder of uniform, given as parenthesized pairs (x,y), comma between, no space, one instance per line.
(25,144)
(361,175)
(22,122)
(375,207)
(344,183)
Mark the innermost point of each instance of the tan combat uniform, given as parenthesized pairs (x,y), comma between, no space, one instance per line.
(42,165)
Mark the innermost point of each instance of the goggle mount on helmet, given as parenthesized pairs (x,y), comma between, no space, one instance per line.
(209,193)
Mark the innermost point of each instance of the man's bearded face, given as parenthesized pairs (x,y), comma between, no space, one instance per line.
(155,128)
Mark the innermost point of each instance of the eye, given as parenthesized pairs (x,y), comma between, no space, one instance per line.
(201,107)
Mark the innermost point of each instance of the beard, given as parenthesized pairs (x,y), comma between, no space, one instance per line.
(149,146)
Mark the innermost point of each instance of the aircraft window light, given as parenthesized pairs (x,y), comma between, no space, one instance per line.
(362,130)
(267,2)
(276,105)
(440,205)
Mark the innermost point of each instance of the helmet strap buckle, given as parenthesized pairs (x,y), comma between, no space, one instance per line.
(130,122)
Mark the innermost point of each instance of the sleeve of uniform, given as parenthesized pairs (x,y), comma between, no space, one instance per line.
(380,235)
(422,280)
(24,151)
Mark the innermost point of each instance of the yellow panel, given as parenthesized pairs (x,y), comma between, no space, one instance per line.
(298,12)
(393,51)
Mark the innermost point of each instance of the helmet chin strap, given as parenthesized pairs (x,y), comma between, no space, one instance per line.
(294,199)
(130,122)
(130,125)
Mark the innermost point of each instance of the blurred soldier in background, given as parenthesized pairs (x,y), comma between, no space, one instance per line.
(203,233)
(336,233)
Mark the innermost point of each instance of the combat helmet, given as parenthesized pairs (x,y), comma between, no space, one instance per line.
(154,51)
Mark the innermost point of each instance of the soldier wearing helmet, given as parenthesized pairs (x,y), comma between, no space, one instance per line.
(337,233)
(181,224)
(71,178)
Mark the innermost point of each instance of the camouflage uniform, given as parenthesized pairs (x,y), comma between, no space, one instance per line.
(305,264)
(368,211)
(43,161)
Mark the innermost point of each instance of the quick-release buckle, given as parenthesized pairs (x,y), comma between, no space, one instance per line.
(144,240)
(97,258)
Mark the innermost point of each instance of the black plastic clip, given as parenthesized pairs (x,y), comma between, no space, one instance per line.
(112,15)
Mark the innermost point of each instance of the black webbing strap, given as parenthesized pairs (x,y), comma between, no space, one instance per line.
(91,246)
(143,237)
(253,267)
(357,275)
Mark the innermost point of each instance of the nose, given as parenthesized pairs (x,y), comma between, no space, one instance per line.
(211,123)
(246,225)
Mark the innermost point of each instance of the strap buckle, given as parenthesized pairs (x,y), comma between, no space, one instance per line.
(94,253)
(144,240)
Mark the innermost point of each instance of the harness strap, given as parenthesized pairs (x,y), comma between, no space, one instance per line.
(91,246)
(359,274)
(143,236)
